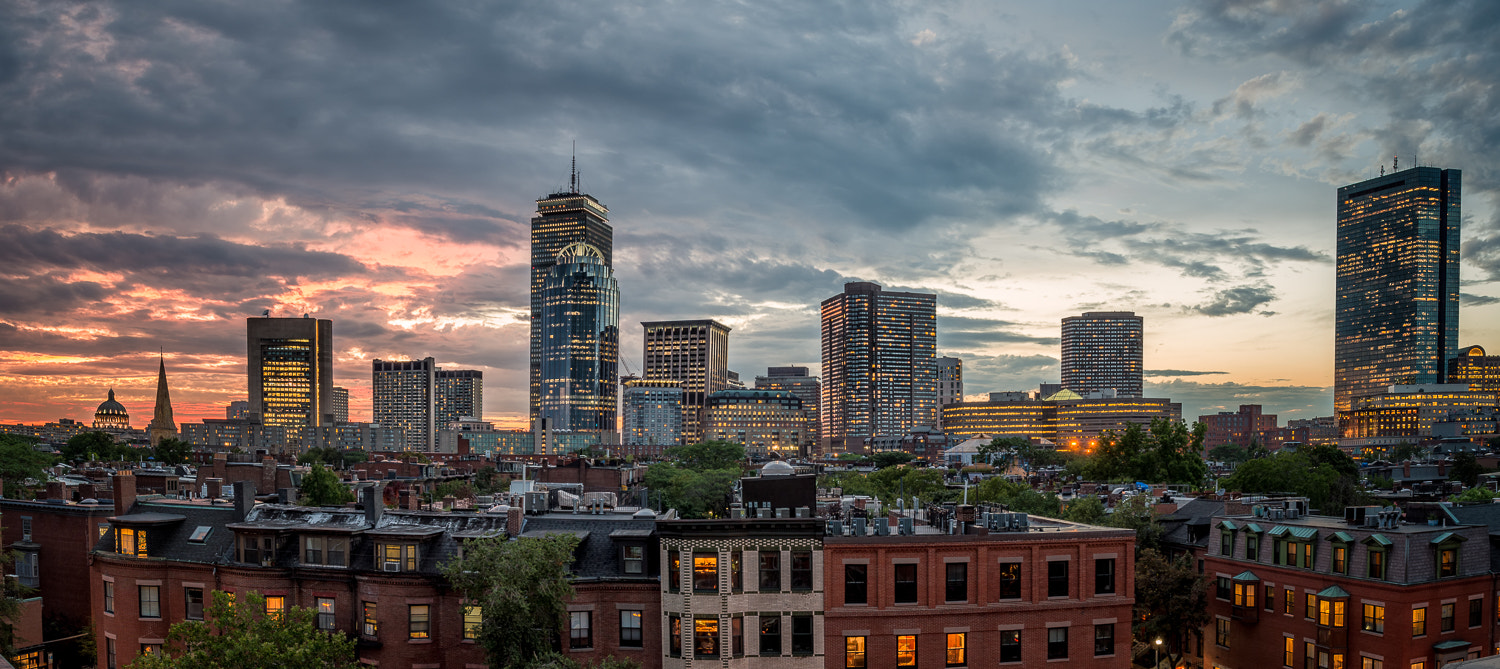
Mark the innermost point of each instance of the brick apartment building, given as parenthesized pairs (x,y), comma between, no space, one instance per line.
(1053,592)
(1366,591)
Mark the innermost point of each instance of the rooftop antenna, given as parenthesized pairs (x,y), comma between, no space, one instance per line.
(1395,162)
(573,176)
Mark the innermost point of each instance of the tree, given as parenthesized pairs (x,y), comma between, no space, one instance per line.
(708,455)
(89,446)
(1171,599)
(1018,497)
(238,633)
(11,594)
(1138,513)
(1324,475)
(694,493)
(322,487)
(1465,469)
(522,588)
(1166,451)
(1474,496)
(1406,451)
(172,451)
(20,461)
(891,459)
(1087,510)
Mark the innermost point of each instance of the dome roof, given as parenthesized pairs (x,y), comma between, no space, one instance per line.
(777,468)
(110,406)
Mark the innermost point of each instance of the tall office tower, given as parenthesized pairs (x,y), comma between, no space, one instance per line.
(694,354)
(950,375)
(403,394)
(1396,307)
(562,219)
(1101,351)
(162,426)
(653,413)
(340,405)
(460,393)
(879,365)
(580,344)
(796,381)
(291,372)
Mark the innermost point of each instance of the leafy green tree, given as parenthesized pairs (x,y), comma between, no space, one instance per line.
(694,493)
(19,461)
(172,451)
(1474,496)
(1087,510)
(1166,451)
(1324,475)
(1171,600)
(886,459)
(322,487)
(1018,497)
(708,455)
(1138,513)
(89,446)
(238,634)
(1406,451)
(1465,469)
(522,588)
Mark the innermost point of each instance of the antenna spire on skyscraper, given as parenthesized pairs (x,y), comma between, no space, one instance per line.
(573,175)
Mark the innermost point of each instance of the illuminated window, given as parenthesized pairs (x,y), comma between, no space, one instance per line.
(1419,621)
(275,605)
(906,650)
(957,650)
(630,629)
(1373,619)
(370,626)
(418,621)
(705,637)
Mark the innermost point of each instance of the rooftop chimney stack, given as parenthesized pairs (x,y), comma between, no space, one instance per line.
(244,500)
(374,504)
(124,485)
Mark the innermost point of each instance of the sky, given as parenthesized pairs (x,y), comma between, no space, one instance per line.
(168,169)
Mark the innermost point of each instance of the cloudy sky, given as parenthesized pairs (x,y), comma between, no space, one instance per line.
(168,169)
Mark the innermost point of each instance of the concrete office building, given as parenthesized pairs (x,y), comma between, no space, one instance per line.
(340,405)
(1101,350)
(765,422)
(695,354)
(290,372)
(879,365)
(402,396)
(653,413)
(1481,372)
(1396,300)
(806,387)
(460,393)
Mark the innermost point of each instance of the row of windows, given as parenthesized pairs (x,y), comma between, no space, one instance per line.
(706,571)
(956,647)
(581,629)
(956,581)
(1331,612)
(1303,553)
(770,637)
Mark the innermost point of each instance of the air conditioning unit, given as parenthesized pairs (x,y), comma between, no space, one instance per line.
(391,566)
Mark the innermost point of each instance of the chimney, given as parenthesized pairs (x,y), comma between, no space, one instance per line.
(124,492)
(413,500)
(448,502)
(87,491)
(244,500)
(215,488)
(57,490)
(514,517)
(1442,468)
(287,495)
(374,503)
(1406,469)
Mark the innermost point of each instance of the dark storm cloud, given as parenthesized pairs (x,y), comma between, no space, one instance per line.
(46,295)
(1193,254)
(967,333)
(1236,300)
(1472,300)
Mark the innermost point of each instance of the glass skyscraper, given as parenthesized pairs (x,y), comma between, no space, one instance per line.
(562,219)
(879,364)
(695,354)
(1396,309)
(580,343)
(291,372)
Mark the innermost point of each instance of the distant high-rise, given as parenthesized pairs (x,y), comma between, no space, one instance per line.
(340,405)
(879,365)
(563,219)
(460,393)
(653,413)
(580,344)
(1101,351)
(162,425)
(1472,366)
(291,372)
(402,395)
(807,388)
(694,354)
(950,374)
(238,408)
(1396,305)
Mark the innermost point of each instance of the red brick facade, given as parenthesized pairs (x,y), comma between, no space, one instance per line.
(982,616)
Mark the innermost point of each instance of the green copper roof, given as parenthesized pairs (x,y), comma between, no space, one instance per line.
(1332,592)
(1377,539)
(1341,537)
(1228,525)
(1447,537)
(1246,575)
(1252,527)
(1450,645)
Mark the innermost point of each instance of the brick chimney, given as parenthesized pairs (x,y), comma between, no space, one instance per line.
(1442,468)
(448,502)
(124,484)
(514,519)
(1406,469)
(87,491)
(215,488)
(374,503)
(244,500)
(413,500)
(57,490)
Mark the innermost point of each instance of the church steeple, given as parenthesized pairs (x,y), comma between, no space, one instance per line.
(162,426)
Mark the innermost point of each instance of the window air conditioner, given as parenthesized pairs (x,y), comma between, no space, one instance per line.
(392,566)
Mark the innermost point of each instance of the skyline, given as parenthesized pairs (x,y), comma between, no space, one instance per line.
(171,169)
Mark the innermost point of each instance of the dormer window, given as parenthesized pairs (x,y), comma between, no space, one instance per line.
(1446,545)
(397,557)
(635,559)
(257,549)
(325,551)
(130,541)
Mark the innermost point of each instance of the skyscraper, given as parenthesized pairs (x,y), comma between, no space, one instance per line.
(460,393)
(562,219)
(162,426)
(402,395)
(694,354)
(879,369)
(1396,306)
(291,372)
(580,344)
(653,413)
(1101,351)
(340,405)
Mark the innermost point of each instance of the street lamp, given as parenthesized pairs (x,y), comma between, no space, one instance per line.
(1156,654)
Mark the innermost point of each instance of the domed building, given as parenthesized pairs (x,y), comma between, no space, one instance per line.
(111,415)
